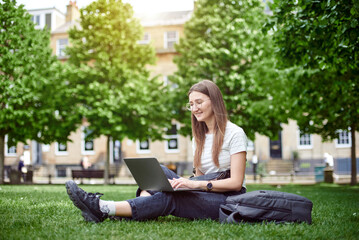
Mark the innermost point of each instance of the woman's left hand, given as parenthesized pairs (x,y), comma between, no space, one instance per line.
(183,183)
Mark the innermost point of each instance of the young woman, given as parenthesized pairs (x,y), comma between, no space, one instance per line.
(219,162)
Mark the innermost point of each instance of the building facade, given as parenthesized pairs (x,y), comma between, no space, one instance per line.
(162,31)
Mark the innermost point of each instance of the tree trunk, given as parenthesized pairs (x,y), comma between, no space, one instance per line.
(107,163)
(2,158)
(353,157)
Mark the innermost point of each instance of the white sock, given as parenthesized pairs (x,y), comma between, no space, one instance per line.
(108,207)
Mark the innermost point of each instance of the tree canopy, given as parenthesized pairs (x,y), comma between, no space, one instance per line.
(319,40)
(34,97)
(224,43)
(119,98)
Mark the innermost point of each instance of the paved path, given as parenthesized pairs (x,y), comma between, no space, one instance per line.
(131,181)
(271,180)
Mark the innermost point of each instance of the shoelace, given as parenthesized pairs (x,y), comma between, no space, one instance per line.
(97,194)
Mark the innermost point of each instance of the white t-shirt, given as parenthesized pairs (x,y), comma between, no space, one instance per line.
(235,141)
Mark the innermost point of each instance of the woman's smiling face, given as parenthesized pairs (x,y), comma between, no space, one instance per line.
(201,106)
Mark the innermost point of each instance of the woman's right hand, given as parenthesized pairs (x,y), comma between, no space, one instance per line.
(184,183)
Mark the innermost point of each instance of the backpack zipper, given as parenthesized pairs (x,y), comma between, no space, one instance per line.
(262,207)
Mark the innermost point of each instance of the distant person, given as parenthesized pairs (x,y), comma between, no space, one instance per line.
(21,165)
(21,168)
(82,163)
(85,164)
(328,160)
(254,162)
(219,147)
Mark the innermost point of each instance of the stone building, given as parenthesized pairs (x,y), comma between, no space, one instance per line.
(163,30)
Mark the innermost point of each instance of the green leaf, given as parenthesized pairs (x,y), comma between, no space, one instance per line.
(224,42)
(119,99)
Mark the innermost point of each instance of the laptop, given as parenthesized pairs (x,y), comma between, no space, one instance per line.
(150,176)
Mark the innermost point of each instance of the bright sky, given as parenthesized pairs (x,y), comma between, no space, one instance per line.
(149,6)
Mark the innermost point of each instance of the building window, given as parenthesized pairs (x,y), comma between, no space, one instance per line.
(266,3)
(10,151)
(45,148)
(171,38)
(172,139)
(36,19)
(344,139)
(304,140)
(48,20)
(143,147)
(116,150)
(61,46)
(167,82)
(61,148)
(146,39)
(87,143)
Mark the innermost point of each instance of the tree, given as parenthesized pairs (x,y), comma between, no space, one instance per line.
(319,40)
(34,93)
(223,42)
(118,98)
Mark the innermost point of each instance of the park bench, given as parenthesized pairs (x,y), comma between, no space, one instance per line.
(90,173)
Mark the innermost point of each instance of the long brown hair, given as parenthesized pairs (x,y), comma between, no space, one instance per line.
(199,129)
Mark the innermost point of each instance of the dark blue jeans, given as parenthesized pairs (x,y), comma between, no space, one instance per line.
(187,204)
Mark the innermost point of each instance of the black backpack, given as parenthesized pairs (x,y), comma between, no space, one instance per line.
(263,205)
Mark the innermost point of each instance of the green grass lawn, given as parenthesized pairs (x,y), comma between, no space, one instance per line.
(46,212)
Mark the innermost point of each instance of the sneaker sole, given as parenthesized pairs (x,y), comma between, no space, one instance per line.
(71,187)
